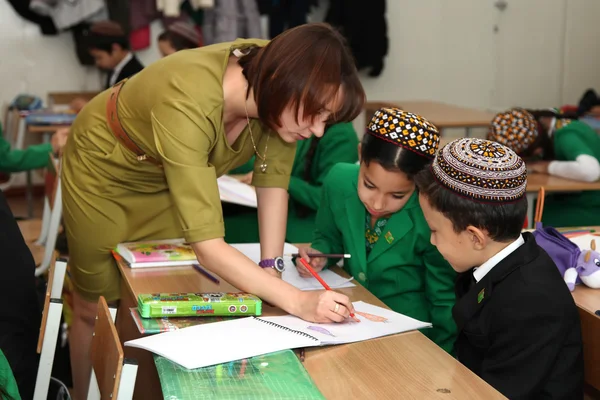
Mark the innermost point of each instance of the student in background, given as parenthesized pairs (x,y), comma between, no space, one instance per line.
(178,36)
(34,156)
(372,211)
(518,325)
(314,159)
(21,315)
(557,146)
(109,45)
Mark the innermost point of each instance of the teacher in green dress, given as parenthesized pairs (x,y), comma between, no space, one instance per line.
(143,159)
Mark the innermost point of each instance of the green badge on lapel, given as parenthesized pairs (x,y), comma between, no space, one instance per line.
(389,237)
(480,296)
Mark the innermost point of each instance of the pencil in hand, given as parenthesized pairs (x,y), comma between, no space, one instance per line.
(319,255)
(321,281)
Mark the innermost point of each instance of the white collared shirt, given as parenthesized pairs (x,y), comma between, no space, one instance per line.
(480,272)
(119,67)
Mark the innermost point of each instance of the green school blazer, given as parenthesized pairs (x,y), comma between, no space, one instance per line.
(33,157)
(404,270)
(339,144)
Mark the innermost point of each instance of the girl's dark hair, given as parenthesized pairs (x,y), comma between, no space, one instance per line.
(391,157)
(543,140)
(176,41)
(306,67)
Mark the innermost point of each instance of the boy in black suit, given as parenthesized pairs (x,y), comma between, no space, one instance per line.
(109,45)
(518,325)
(21,313)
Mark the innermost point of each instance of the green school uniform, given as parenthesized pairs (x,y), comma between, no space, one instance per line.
(8,385)
(403,269)
(574,209)
(338,144)
(33,157)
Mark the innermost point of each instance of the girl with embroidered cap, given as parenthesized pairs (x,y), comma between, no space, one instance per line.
(372,211)
(555,145)
(518,326)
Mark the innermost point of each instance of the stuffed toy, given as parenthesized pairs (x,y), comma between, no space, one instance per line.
(576,266)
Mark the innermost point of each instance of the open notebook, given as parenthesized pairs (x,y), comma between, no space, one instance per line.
(290,273)
(584,242)
(219,342)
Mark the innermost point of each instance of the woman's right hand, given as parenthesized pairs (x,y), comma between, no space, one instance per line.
(317,263)
(59,140)
(324,306)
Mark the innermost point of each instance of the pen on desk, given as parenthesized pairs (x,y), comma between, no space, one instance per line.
(320,255)
(205,273)
(321,281)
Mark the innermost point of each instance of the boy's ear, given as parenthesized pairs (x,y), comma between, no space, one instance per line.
(477,237)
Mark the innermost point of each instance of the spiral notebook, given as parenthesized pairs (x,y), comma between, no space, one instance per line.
(220,342)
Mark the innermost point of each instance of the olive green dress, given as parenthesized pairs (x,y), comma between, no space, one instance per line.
(173,111)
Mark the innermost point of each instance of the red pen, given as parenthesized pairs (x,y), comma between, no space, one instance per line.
(321,281)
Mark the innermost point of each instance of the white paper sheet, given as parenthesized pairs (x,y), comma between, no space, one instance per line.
(584,241)
(291,275)
(233,191)
(351,331)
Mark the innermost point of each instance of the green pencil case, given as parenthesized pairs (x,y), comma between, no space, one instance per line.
(198,304)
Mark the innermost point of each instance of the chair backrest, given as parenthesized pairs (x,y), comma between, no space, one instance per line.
(65,98)
(113,376)
(539,206)
(52,215)
(50,327)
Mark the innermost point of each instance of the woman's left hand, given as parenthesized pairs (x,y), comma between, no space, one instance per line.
(540,167)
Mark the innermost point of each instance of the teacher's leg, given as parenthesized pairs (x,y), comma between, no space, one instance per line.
(95,225)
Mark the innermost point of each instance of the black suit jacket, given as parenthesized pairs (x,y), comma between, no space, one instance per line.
(131,68)
(519,327)
(21,314)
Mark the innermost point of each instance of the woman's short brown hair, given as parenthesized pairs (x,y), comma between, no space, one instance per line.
(304,66)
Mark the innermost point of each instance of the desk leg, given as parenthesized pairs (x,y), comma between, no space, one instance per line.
(29,194)
(468,131)
(147,383)
(531,208)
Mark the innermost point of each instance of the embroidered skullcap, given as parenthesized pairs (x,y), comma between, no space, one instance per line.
(516,129)
(186,31)
(405,129)
(481,170)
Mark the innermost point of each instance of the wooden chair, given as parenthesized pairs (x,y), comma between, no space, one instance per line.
(50,327)
(113,376)
(539,206)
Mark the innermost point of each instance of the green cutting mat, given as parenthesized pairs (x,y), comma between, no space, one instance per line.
(277,375)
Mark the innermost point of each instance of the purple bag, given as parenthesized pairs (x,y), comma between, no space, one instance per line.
(563,252)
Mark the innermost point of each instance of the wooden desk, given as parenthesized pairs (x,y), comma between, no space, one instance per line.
(45,129)
(588,302)
(441,115)
(552,184)
(401,366)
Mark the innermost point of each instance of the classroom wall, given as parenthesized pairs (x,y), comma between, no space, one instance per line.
(535,53)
